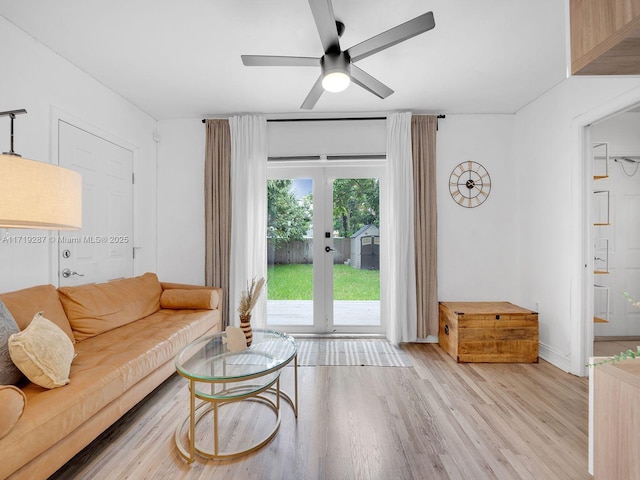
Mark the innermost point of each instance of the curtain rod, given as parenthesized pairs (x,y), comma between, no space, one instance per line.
(324,119)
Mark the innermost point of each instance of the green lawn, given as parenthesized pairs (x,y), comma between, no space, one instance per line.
(294,282)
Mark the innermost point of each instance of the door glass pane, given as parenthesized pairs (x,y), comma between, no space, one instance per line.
(356,261)
(290,252)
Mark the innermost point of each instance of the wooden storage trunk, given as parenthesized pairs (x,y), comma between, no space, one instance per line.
(488,332)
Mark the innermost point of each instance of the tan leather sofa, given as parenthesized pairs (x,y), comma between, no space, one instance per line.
(125,340)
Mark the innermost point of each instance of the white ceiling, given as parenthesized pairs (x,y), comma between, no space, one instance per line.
(181,58)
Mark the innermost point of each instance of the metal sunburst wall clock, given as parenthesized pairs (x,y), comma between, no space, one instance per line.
(469,184)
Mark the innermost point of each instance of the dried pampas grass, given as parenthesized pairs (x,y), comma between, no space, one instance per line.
(249,297)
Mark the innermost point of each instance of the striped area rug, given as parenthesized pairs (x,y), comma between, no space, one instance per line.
(364,352)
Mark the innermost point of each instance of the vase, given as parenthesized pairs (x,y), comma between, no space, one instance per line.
(245,325)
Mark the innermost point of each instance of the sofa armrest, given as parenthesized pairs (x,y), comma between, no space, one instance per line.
(179,296)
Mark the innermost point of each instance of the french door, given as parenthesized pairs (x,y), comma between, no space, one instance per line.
(323,237)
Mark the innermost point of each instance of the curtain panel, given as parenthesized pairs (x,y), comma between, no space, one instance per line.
(217,207)
(423,147)
(398,288)
(249,222)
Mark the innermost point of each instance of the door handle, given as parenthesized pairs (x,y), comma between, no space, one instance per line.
(329,249)
(66,273)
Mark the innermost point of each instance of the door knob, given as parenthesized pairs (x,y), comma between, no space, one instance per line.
(66,273)
(329,249)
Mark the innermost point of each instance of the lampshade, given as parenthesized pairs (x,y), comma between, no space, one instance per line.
(39,195)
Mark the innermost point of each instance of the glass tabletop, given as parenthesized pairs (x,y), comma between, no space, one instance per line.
(209,360)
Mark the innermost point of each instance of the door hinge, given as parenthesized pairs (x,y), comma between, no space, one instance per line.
(133,178)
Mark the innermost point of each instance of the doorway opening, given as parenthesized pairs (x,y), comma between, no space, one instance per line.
(615,246)
(323,247)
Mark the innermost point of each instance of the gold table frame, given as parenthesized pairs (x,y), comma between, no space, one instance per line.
(231,393)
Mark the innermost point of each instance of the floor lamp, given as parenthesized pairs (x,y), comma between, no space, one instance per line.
(37,194)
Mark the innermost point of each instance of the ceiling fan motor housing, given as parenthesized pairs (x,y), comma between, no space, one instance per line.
(336,62)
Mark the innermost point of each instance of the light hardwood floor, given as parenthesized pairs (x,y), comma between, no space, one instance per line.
(435,420)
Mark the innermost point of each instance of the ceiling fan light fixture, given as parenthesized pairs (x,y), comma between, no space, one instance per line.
(336,81)
(336,72)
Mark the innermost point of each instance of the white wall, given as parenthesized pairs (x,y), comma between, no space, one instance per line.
(181,201)
(340,137)
(552,185)
(40,81)
(477,247)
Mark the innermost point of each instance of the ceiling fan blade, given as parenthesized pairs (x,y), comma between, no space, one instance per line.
(276,61)
(322,11)
(392,37)
(366,81)
(314,95)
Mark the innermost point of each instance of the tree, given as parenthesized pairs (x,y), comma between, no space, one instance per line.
(289,218)
(356,203)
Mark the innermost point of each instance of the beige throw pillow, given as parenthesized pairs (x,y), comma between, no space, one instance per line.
(43,352)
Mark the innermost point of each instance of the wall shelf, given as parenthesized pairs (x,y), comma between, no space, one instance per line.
(600,160)
(601,256)
(602,304)
(601,208)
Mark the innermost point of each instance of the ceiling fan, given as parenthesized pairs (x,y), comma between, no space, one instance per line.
(337,65)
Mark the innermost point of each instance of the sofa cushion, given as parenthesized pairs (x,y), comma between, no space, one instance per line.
(43,352)
(96,308)
(12,402)
(24,304)
(9,373)
(197,299)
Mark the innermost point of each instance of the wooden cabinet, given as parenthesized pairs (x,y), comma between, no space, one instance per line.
(605,37)
(497,332)
(616,420)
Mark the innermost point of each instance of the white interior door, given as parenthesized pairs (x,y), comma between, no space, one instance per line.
(103,249)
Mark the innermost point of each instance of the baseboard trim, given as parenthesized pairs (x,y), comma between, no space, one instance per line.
(554,357)
(617,339)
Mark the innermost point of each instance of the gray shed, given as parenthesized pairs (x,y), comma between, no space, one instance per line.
(365,248)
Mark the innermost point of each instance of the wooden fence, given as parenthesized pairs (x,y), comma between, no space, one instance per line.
(301,251)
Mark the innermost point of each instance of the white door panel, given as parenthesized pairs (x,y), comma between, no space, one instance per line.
(103,249)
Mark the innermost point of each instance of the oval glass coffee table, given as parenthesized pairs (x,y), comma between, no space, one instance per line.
(218,376)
